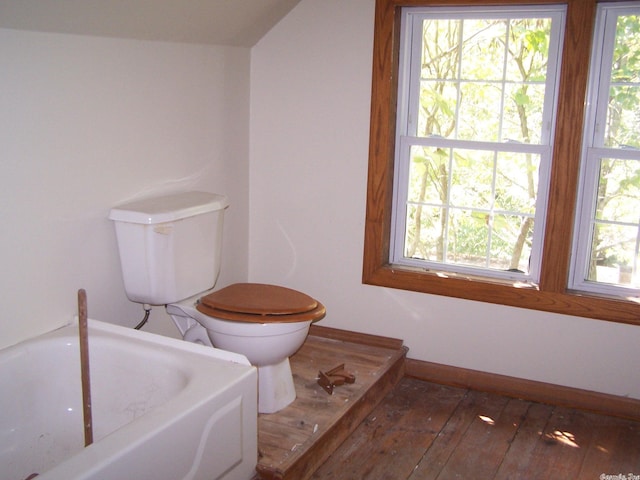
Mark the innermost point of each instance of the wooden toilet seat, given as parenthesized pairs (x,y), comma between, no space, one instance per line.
(261,303)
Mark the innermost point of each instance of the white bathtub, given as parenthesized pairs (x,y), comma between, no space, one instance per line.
(162,409)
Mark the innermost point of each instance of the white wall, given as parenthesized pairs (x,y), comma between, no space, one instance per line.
(87,123)
(310,99)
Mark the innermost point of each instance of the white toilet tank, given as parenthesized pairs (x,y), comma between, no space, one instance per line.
(170,246)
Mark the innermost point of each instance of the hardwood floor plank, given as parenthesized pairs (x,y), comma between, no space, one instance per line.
(484,444)
(392,440)
(562,445)
(615,449)
(439,454)
(519,461)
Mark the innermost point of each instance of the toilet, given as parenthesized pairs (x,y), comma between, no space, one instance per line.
(170,251)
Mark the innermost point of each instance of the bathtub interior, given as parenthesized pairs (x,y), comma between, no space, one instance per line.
(134,376)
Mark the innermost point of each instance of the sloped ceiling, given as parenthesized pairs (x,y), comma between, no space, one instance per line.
(216,22)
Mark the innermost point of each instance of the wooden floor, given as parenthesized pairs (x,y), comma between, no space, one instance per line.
(386,426)
(426,431)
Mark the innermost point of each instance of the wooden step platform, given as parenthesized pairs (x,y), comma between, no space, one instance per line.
(294,442)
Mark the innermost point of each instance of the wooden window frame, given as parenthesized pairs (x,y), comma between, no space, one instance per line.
(552,294)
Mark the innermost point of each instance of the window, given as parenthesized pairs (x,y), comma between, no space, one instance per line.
(608,220)
(475,173)
(473,138)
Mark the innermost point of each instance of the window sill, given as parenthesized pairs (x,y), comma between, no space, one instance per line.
(511,293)
(466,277)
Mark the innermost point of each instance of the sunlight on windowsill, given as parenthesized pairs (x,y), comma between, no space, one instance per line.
(397,268)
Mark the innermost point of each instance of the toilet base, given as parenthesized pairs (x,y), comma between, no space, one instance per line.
(275,387)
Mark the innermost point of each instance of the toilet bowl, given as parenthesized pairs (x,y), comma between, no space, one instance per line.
(266,323)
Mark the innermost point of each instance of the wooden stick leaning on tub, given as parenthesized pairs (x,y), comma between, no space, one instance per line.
(84,367)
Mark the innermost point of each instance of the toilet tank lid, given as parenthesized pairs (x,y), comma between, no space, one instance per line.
(168,208)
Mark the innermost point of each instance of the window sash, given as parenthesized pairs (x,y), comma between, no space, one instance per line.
(401,199)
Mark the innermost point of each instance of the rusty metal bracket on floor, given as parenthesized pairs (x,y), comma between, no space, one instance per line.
(334,377)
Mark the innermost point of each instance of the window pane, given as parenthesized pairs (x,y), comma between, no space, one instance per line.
(472,179)
(623,117)
(483,49)
(438,104)
(615,255)
(517,182)
(511,242)
(528,49)
(424,238)
(523,115)
(429,175)
(467,238)
(479,114)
